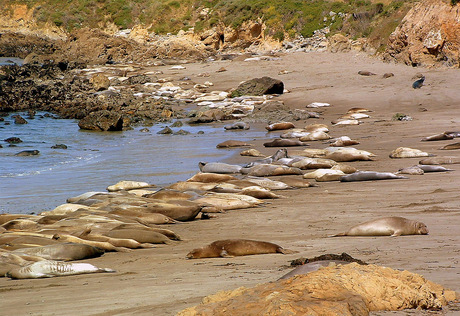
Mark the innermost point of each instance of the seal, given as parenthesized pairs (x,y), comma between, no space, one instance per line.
(316,128)
(346,122)
(210,177)
(442,136)
(252,153)
(265,170)
(128,185)
(218,167)
(140,235)
(414,170)
(232,143)
(451,146)
(48,269)
(279,126)
(62,251)
(406,152)
(366,73)
(280,153)
(226,201)
(285,143)
(440,161)
(369,176)
(237,125)
(314,163)
(343,141)
(312,266)
(318,135)
(387,226)
(268,183)
(25,153)
(433,168)
(236,247)
(348,155)
(358,110)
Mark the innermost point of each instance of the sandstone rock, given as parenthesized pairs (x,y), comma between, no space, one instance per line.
(350,289)
(339,43)
(259,86)
(428,35)
(18,119)
(99,81)
(102,121)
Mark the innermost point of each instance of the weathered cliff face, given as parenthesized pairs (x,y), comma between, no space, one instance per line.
(429,35)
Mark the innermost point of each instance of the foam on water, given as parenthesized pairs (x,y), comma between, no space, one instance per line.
(95,160)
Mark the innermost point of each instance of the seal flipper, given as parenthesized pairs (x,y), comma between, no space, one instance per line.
(285,251)
(396,233)
(339,235)
(224,254)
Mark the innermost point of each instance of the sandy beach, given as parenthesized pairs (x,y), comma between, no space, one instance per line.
(161,281)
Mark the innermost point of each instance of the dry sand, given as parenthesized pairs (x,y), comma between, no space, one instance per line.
(161,281)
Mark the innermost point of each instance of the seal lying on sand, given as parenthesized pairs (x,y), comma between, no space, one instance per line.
(236,247)
(48,269)
(63,251)
(369,176)
(285,143)
(387,226)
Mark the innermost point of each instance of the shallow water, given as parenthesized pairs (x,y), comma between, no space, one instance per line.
(11,61)
(95,160)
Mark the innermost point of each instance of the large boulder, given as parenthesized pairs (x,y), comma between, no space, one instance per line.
(429,34)
(350,289)
(259,86)
(102,121)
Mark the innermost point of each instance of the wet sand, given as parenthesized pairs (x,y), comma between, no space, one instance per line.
(160,281)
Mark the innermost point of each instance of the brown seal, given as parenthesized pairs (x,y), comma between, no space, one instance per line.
(236,247)
(280,126)
(451,146)
(285,143)
(232,143)
(366,73)
(211,177)
(387,226)
(440,161)
(63,251)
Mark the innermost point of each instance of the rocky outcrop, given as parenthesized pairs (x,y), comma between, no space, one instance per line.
(102,121)
(350,289)
(428,35)
(259,86)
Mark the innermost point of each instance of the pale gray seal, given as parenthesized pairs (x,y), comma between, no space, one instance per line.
(236,247)
(285,143)
(218,167)
(387,226)
(237,125)
(28,153)
(369,176)
(48,269)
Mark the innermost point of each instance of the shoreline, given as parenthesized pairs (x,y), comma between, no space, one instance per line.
(162,281)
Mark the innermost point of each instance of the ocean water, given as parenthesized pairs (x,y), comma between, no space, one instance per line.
(10,61)
(95,160)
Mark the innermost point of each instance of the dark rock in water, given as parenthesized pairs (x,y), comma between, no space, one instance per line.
(259,86)
(18,119)
(102,121)
(165,130)
(28,153)
(13,140)
(144,130)
(31,114)
(181,132)
(237,125)
(1,146)
(177,124)
(59,146)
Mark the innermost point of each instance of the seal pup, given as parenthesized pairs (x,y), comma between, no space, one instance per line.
(48,269)
(236,247)
(369,176)
(312,266)
(393,226)
(280,153)
(414,170)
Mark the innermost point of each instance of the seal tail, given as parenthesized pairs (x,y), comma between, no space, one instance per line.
(339,235)
(106,270)
(286,251)
(146,245)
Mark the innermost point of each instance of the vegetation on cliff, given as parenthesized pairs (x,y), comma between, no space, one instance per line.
(356,18)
